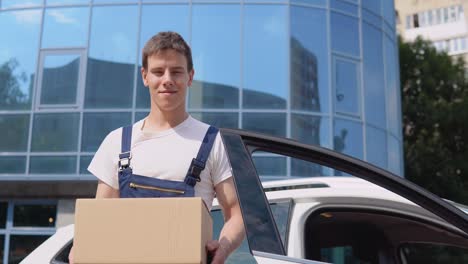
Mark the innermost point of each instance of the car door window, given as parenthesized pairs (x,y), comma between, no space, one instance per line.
(256,159)
(281,212)
(412,253)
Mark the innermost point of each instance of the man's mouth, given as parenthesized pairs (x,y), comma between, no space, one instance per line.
(167,92)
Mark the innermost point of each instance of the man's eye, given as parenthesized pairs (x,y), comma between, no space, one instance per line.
(158,73)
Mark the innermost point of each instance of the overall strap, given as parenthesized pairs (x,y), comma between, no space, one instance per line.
(198,163)
(125,155)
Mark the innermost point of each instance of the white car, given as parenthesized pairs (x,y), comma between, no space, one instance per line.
(374,217)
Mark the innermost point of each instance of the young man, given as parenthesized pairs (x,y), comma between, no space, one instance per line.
(165,142)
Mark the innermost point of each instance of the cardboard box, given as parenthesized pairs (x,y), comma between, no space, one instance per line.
(141,230)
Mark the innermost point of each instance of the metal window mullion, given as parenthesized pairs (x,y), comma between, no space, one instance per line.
(35,91)
(189,92)
(80,102)
(241,65)
(331,79)
(361,87)
(136,68)
(288,86)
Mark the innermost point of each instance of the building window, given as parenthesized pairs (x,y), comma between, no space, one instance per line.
(446,15)
(408,22)
(61,77)
(438,17)
(347,86)
(453,14)
(430,21)
(415,20)
(24,225)
(463,43)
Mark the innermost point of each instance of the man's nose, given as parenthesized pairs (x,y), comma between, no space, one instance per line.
(168,78)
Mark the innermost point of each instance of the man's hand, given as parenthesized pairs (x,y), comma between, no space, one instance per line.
(70,256)
(217,252)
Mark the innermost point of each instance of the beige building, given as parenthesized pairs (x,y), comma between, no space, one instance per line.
(443,22)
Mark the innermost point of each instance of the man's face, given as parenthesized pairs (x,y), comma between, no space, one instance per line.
(167,78)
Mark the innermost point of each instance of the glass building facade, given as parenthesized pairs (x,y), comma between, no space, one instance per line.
(323,72)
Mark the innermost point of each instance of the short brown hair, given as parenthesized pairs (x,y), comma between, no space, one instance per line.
(164,41)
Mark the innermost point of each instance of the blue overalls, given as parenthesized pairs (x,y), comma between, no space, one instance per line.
(137,186)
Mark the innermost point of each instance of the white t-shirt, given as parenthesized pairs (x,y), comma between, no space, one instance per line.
(164,155)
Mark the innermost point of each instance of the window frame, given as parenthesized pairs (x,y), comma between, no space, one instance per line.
(10,230)
(357,65)
(81,82)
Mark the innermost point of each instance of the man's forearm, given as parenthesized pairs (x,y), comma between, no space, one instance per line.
(232,234)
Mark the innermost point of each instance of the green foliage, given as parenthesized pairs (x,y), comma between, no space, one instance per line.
(435,119)
(10,90)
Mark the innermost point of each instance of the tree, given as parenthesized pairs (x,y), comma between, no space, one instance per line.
(435,119)
(10,92)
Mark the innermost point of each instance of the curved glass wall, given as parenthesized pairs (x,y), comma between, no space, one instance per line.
(323,72)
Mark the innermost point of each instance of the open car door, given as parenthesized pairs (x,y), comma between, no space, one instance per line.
(262,235)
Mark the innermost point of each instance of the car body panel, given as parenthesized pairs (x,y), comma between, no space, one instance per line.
(378,191)
(261,230)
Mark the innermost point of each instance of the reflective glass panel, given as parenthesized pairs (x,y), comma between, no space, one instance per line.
(66,2)
(345,34)
(372,5)
(22,245)
(344,7)
(18,57)
(141,115)
(113,1)
(302,168)
(394,155)
(34,215)
(371,18)
(392,89)
(216,63)
(112,57)
(347,138)
(55,132)
(389,11)
(311,2)
(60,79)
(266,123)
(266,1)
(346,79)
(227,120)
(15,132)
(270,166)
(170,17)
(242,253)
(96,126)
(165,1)
(374,90)
(309,60)
(213,95)
(413,253)
(3,217)
(312,130)
(52,164)
(265,39)
(20,3)
(65,27)
(12,164)
(84,163)
(376,147)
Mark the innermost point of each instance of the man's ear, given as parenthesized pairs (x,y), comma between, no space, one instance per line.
(143,76)
(191,74)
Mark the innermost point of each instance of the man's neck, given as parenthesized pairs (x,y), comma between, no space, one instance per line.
(160,121)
